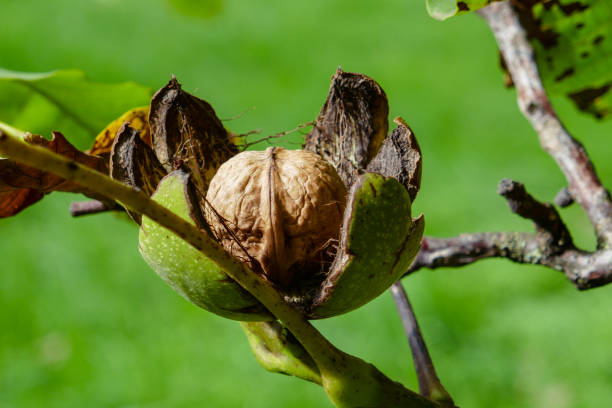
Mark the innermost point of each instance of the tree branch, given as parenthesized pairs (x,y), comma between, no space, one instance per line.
(547,220)
(583,184)
(584,269)
(551,245)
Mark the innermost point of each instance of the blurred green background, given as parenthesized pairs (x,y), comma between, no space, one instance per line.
(84,322)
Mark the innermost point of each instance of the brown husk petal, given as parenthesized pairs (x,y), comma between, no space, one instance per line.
(134,163)
(188,135)
(400,157)
(352,124)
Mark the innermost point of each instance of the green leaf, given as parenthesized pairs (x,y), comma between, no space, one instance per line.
(443,9)
(573,47)
(40,102)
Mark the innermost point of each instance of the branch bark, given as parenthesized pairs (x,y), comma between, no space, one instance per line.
(551,245)
(80,208)
(584,269)
(570,155)
(583,184)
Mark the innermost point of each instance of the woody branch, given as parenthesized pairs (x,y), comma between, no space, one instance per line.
(551,244)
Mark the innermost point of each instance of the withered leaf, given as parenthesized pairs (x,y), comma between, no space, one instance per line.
(137,118)
(12,202)
(352,124)
(22,186)
(188,135)
(134,163)
(400,157)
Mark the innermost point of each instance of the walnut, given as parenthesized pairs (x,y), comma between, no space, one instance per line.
(328,246)
(282,207)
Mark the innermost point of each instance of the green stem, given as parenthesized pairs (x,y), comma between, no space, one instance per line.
(349,381)
(9,130)
(278,351)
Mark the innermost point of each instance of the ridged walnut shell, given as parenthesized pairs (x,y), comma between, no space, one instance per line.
(281,207)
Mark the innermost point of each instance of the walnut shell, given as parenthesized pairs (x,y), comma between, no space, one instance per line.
(282,207)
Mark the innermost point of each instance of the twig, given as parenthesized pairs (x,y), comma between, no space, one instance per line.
(246,134)
(80,208)
(550,246)
(545,217)
(429,383)
(564,198)
(584,269)
(277,135)
(238,116)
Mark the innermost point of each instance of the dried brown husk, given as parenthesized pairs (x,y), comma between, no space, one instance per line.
(134,163)
(400,157)
(188,135)
(278,210)
(352,124)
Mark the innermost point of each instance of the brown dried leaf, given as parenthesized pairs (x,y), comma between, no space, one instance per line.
(134,163)
(12,202)
(16,179)
(352,124)
(188,135)
(400,157)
